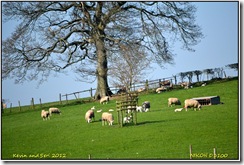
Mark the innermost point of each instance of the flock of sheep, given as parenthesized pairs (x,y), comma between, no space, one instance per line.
(189,103)
(46,114)
(107,117)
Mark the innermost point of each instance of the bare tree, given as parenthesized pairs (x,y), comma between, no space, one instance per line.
(52,36)
(182,76)
(189,75)
(128,66)
(233,66)
(218,72)
(208,72)
(197,73)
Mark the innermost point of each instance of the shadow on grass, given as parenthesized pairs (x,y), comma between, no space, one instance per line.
(156,121)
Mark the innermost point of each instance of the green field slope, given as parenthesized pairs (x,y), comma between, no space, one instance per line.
(160,134)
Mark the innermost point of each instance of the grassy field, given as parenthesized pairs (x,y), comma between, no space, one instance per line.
(160,134)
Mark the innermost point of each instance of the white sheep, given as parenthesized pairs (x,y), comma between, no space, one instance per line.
(178,110)
(204,84)
(45,115)
(127,119)
(89,115)
(98,111)
(159,90)
(174,101)
(139,108)
(54,110)
(130,109)
(93,108)
(141,90)
(108,118)
(104,99)
(192,103)
(4,105)
(110,110)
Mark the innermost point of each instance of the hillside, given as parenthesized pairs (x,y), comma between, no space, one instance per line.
(160,134)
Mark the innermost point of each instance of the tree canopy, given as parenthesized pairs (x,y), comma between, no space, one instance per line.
(52,36)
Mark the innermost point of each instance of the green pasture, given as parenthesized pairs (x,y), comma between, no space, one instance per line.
(160,134)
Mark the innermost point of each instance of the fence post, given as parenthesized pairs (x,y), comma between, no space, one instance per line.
(66,98)
(146,85)
(10,107)
(91,92)
(19,106)
(60,98)
(32,103)
(159,82)
(40,102)
(190,151)
(214,152)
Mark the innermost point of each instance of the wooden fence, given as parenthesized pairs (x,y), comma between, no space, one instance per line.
(147,84)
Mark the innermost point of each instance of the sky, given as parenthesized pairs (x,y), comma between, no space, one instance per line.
(219,47)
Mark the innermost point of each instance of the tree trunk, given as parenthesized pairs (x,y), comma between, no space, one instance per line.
(102,69)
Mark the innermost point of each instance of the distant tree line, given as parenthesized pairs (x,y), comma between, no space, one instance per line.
(212,72)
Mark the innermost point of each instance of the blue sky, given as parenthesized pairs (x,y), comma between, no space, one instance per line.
(219,23)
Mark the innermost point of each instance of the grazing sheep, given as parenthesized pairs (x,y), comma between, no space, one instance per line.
(54,110)
(141,90)
(45,115)
(89,115)
(178,110)
(146,106)
(174,101)
(159,90)
(185,85)
(108,118)
(192,103)
(104,99)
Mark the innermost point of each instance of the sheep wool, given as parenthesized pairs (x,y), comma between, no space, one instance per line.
(107,118)
(192,103)
(89,116)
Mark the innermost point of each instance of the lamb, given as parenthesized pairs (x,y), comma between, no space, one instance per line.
(204,84)
(104,99)
(146,106)
(98,111)
(89,115)
(130,109)
(45,115)
(174,101)
(139,108)
(192,103)
(178,110)
(107,117)
(54,110)
(127,119)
